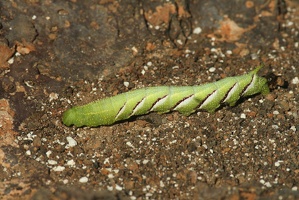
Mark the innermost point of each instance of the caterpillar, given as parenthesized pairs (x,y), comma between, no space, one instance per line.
(163,99)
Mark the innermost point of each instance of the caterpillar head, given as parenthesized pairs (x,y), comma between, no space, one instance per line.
(262,85)
(257,85)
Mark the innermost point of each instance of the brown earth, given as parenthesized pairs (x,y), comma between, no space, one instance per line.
(57,54)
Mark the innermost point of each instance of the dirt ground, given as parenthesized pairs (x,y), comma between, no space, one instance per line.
(58,54)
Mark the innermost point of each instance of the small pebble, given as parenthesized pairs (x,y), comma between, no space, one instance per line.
(71,142)
(293,128)
(277,163)
(197,30)
(117,187)
(58,168)
(52,162)
(48,153)
(212,69)
(28,152)
(71,162)
(229,52)
(145,162)
(295,80)
(126,84)
(275,112)
(109,188)
(83,179)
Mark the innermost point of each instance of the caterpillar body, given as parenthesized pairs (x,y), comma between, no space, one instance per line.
(162,99)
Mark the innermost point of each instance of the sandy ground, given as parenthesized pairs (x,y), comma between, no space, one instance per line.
(58,54)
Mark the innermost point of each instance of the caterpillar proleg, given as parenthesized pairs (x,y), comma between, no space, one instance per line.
(162,99)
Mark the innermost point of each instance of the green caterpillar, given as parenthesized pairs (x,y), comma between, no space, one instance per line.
(162,99)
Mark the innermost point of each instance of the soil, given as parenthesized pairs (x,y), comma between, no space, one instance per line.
(58,54)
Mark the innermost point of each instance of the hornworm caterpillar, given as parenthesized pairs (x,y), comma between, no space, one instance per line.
(162,99)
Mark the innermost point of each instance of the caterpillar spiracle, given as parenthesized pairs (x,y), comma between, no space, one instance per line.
(162,99)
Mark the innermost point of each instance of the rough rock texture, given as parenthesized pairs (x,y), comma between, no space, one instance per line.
(57,54)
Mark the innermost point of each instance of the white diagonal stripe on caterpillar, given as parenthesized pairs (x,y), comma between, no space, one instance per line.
(121,111)
(231,92)
(250,85)
(159,103)
(208,100)
(184,102)
(138,106)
